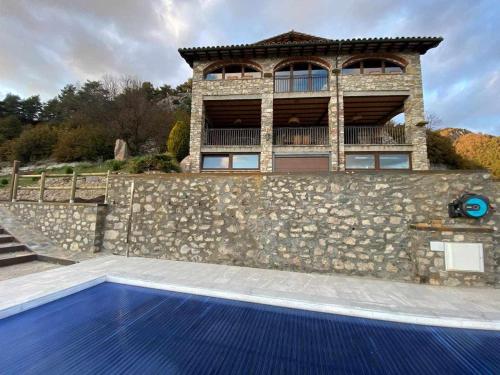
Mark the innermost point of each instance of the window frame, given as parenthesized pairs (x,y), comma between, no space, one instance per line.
(377,160)
(230,164)
(382,60)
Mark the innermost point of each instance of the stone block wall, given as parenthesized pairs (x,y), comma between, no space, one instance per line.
(75,227)
(350,223)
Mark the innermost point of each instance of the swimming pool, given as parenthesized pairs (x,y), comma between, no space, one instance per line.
(116,328)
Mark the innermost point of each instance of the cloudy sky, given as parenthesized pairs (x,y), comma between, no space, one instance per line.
(45,44)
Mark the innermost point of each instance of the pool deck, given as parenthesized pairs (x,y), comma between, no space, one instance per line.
(363,297)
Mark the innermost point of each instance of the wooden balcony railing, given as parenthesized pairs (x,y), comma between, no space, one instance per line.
(232,137)
(314,136)
(301,84)
(374,135)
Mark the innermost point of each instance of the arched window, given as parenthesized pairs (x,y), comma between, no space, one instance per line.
(300,76)
(371,66)
(233,71)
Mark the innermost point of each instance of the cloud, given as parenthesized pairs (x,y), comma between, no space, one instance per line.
(55,42)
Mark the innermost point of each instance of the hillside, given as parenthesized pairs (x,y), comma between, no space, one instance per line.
(462,149)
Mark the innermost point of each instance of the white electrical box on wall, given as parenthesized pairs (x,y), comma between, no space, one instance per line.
(462,256)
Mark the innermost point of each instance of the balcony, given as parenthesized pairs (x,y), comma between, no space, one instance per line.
(301,84)
(303,136)
(232,137)
(374,135)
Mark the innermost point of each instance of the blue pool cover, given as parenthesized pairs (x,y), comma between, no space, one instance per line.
(113,328)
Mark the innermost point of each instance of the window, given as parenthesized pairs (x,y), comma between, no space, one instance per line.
(378,160)
(233,71)
(360,161)
(215,162)
(372,66)
(394,161)
(390,67)
(352,69)
(301,77)
(245,161)
(214,75)
(230,161)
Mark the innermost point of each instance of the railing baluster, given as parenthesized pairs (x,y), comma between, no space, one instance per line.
(375,135)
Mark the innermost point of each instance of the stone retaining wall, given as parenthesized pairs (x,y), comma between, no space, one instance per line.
(365,224)
(75,227)
(351,223)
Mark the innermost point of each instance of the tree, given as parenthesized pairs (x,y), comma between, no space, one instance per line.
(140,122)
(11,105)
(480,149)
(178,140)
(30,109)
(83,143)
(34,143)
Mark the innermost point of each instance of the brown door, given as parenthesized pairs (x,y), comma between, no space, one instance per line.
(301,163)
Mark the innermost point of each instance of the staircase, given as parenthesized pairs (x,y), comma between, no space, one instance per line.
(12,251)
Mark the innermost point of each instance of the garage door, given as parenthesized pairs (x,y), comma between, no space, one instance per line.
(317,163)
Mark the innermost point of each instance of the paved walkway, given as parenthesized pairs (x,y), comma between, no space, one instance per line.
(388,300)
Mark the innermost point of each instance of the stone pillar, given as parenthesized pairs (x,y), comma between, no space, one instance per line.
(266,133)
(415,122)
(336,122)
(196,132)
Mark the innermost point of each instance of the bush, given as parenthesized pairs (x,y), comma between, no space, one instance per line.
(178,140)
(115,165)
(83,143)
(159,162)
(35,143)
(68,170)
(10,127)
(4,182)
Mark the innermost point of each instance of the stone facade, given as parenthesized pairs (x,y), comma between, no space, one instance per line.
(409,83)
(351,223)
(75,227)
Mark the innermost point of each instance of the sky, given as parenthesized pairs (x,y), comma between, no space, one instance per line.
(46,44)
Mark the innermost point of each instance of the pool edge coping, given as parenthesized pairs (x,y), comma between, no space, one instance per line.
(329,308)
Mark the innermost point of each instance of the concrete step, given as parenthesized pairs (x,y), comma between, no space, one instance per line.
(10,247)
(17,257)
(4,238)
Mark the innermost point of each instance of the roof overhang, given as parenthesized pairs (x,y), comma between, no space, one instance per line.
(344,46)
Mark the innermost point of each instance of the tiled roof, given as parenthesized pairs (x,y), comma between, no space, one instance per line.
(295,43)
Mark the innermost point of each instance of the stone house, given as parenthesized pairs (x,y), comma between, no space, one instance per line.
(298,102)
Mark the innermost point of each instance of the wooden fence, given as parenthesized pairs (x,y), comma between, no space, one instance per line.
(42,188)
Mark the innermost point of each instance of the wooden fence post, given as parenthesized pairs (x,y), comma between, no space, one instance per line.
(42,187)
(14,186)
(73,188)
(15,170)
(107,188)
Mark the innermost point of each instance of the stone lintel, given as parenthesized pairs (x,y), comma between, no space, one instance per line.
(232,97)
(378,148)
(377,93)
(230,149)
(290,95)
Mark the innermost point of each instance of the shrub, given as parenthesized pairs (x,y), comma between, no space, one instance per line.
(10,127)
(83,143)
(159,162)
(115,165)
(440,150)
(178,140)
(480,149)
(4,182)
(68,170)
(34,143)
